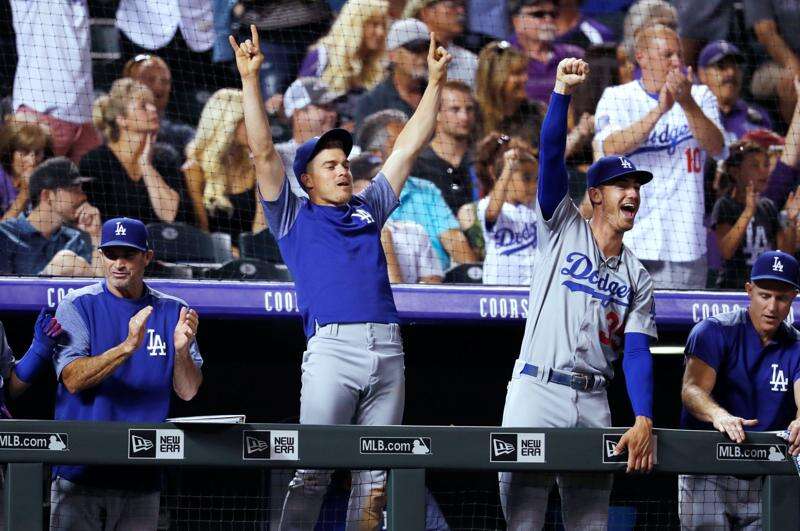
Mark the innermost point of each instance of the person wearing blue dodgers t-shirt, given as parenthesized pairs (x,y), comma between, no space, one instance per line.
(742,371)
(129,346)
(353,367)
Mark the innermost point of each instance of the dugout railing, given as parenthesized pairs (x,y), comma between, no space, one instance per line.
(406,451)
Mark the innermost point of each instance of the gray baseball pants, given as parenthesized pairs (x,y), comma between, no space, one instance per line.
(351,374)
(533,403)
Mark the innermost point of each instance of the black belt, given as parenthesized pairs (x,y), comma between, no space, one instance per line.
(574,380)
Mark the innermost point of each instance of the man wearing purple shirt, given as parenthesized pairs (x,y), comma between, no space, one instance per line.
(721,71)
(784,177)
(534,34)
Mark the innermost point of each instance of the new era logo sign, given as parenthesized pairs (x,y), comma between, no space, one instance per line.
(516,447)
(155,444)
(273,445)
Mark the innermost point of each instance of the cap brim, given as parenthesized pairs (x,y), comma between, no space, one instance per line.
(776,278)
(120,243)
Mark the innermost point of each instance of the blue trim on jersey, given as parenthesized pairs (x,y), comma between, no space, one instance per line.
(604,298)
(637,364)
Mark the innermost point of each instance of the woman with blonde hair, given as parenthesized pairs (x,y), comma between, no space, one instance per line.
(350,57)
(23,146)
(129,179)
(500,91)
(220,177)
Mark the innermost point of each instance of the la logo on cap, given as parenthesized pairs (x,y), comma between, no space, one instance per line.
(121,230)
(625,163)
(777,265)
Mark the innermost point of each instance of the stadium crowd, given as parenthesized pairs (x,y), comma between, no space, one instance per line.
(701,93)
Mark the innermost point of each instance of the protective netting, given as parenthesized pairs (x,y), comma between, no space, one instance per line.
(144,97)
(255,500)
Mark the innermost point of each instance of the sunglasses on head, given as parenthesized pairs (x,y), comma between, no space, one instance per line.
(540,13)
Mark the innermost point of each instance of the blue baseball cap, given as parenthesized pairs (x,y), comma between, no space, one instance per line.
(614,167)
(309,149)
(776,265)
(716,51)
(124,232)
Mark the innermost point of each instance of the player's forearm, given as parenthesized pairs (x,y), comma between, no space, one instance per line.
(626,140)
(418,131)
(700,404)
(704,130)
(89,371)
(392,265)
(553,178)
(269,168)
(186,376)
(637,364)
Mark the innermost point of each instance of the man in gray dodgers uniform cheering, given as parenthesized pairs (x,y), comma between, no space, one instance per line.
(353,367)
(587,290)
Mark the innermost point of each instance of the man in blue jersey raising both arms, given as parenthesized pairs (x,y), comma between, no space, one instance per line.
(353,368)
(128,347)
(742,371)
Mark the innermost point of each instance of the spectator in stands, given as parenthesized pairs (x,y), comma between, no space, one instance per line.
(183,33)
(350,57)
(720,70)
(487,20)
(784,175)
(59,235)
(128,181)
(153,72)
(219,174)
(407,43)
(130,348)
(447,159)
(746,223)
(500,93)
(420,201)
(668,125)
(410,257)
(446,18)
(53,81)
(703,22)
(535,34)
(640,14)
(23,146)
(572,27)
(507,216)
(775,24)
(742,369)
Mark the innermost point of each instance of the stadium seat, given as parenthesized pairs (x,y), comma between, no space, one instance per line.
(249,269)
(465,274)
(181,243)
(260,246)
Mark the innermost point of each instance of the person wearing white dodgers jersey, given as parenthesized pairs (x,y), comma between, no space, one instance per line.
(589,295)
(665,123)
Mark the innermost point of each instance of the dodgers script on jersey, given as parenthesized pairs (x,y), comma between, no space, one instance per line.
(674,156)
(510,244)
(591,301)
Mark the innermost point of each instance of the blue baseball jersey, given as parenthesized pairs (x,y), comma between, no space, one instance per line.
(754,381)
(335,255)
(139,390)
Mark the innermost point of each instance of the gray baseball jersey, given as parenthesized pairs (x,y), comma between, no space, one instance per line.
(582,303)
